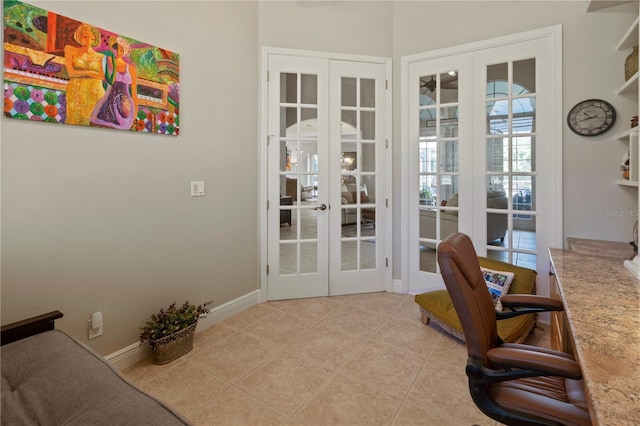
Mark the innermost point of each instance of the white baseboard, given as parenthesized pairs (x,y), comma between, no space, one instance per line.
(426,289)
(398,286)
(136,352)
(125,357)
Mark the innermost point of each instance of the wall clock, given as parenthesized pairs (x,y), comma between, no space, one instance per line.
(591,117)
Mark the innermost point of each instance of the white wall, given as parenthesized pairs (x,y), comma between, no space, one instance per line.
(355,27)
(102,220)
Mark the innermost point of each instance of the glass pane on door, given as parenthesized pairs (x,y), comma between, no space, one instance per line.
(298,173)
(510,165)
(368,163)
(439,167)
(358,174)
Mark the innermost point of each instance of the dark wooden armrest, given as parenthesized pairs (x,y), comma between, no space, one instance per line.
(546,363)
(28,327)
(531,301)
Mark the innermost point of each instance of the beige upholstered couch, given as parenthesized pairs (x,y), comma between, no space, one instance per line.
(49,378)
(496,223)
(350,196)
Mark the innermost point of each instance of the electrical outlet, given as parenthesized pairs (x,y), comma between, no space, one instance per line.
(94,332)
(95,325)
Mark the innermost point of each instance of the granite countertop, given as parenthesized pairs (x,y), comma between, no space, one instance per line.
(602,304)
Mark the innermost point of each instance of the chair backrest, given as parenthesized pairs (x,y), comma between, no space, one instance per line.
(468,291)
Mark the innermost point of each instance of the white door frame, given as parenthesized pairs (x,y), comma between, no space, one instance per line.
(553,35)
(263,154)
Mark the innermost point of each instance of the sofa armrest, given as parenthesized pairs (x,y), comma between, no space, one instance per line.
(28,327)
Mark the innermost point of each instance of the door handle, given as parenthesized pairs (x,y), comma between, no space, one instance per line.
(321,207)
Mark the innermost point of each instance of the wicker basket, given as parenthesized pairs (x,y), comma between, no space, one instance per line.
(631,64)
(175,345)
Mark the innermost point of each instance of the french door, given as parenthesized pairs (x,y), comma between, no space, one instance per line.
(483,150)
(441,151)
(327,177)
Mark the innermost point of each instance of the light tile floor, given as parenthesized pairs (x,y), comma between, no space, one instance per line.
(345,360)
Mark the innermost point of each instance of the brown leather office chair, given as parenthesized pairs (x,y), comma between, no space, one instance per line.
(514,384)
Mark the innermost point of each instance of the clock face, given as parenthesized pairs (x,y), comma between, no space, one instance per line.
(591,117)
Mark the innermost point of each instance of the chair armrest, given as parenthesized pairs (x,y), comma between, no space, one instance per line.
(531,301)
(522,304)
(544,363)
(540,349)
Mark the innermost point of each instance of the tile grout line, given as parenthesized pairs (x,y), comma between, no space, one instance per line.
(283,348)
(415,378)
(234,384)
(330,377)
(387,311)
(337,370)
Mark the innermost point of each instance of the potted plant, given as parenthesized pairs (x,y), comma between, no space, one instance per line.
(170,331)
(425,196)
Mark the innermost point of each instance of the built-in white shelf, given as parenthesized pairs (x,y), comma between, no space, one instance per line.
(625,182)
(624,135)
(630,137)
(630,87)
(630,38)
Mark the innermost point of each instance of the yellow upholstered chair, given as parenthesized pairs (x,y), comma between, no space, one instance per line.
(436,306)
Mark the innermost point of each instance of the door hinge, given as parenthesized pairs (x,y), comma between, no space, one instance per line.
(267,204)
(267,269)
(386,85)
(267,75)
(386,143)
(386,262)
(386,202)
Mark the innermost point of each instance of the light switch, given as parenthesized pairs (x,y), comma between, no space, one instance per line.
(197,188)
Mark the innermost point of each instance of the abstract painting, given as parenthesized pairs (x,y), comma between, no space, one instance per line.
(61,70)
